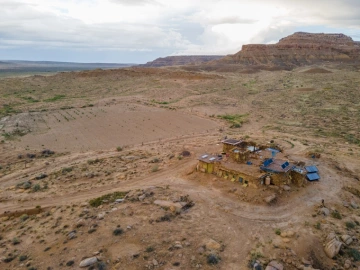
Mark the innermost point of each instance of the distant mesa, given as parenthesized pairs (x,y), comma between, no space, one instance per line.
(182,60)
(298,49)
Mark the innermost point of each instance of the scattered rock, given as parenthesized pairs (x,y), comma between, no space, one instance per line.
(347,239)
(101,215)
(168,204)
(286,188)
(212,245)
(142,197)
(332,248)
(88,262)
(178,245)
(347,264)
(354,205)
(71,235)
(119,200)
(155,262)
(270,199)
(274,265)
(324,211)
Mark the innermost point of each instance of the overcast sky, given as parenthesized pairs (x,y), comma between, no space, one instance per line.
(137,31)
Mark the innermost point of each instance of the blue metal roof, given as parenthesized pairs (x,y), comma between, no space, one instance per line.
(312,176)
(311,169)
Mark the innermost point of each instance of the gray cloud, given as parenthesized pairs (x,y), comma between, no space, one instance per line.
(194,27)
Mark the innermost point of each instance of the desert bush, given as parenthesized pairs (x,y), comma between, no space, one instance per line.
(336,214)
(354,253)
(24,217)
(108,198)
(277,231)
(23,258)
(119,148)
(36,188)
(66,170)
(350,225)
(118,231)
(155,168)
(149,249)
(213,259)
(15,241)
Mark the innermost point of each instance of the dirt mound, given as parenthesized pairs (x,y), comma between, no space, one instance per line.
(317,70)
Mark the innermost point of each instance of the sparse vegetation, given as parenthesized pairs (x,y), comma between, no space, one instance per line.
(213,259)
(55,98)
(336,214)
(108,198)
(118,231)
(236,120)
(350,225)
(277,231)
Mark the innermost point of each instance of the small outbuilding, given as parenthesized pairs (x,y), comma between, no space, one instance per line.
(229,144)
(207,163)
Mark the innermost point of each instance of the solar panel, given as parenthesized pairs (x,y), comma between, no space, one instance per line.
(204,156)
(212,159)
(268,162)
(311,169)
(312,176)
(284,165)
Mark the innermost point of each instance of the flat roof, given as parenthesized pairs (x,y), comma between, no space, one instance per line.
(277,165)
(209,158)
(232,141)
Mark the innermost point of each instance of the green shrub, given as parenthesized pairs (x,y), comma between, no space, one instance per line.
(24,217)
(354,253)
(213,259)
(277,231)
(150,249)
(23,258)
(336,214)
(119,148)
(108,198)
(36,188)
(350,225)
(155,168)
(15,241)
(118,231)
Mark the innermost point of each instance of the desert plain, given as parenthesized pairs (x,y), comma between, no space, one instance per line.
(98,168)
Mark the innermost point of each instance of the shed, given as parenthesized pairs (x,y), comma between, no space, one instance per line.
(207,163)
(228,144)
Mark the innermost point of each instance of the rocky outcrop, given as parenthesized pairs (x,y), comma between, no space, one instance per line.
(297,50)
(182,60)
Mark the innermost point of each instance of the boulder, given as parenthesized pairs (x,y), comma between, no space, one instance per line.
(270,199)
(347,239)
(274,265)
(88,262)
(212,245)
(332,247)
(324,211)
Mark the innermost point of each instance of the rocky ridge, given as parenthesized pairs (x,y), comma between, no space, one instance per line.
(298,49)
(181,60)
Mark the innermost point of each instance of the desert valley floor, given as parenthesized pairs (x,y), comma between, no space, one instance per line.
(98,168)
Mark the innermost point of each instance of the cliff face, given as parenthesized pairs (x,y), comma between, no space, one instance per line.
(181,60)
(298,49)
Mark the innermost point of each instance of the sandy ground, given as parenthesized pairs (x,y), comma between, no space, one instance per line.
(56,228)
